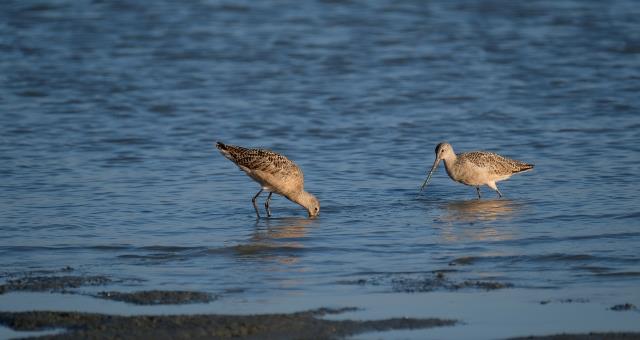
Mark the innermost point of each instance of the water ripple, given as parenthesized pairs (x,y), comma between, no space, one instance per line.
(110,111)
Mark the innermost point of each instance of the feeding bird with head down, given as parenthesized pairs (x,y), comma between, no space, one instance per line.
(275,173)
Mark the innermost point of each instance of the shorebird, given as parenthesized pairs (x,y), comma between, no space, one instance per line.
(476,168)
(275,173)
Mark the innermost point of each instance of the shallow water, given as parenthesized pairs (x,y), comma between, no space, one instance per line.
(110,111)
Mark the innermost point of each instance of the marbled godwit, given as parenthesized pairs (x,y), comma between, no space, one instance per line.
(476,168)
(275,173)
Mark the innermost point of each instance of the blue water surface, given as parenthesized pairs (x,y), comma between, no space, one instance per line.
(109,111)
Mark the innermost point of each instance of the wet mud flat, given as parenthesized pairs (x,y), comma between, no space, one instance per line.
(73,325)
(306,324)
(281,326)
(300,325)
(587,336)
(69,284)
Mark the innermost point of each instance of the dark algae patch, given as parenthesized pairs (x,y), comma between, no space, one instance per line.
(425,283)
(51,283)
(62,283)
(159,297)
(308,324)
(578,300)
(418,285)
(624,307)
(41,272)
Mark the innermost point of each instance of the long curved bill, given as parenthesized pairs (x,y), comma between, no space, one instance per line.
(433,168)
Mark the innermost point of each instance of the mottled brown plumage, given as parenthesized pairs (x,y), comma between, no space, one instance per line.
(476,168)
(274,172)
(494,163)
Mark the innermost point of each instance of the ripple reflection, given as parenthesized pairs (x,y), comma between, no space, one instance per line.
(479,210)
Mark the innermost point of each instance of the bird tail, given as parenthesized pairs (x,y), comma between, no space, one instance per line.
(221,146)
(525,167)
(225,150)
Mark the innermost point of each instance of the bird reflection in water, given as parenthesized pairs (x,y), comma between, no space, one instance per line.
(477,213)
(475,210)
(276,239)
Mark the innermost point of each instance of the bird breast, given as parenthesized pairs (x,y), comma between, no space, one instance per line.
(283,183)
(466,172)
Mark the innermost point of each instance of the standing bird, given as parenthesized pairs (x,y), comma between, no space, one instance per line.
(476,168)
(275,173)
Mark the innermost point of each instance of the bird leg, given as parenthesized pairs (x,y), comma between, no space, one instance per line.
(254,202)
(494,186)
(266,204)
(478,190)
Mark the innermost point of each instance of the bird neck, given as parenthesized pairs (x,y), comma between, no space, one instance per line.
(301,197)
(449,160)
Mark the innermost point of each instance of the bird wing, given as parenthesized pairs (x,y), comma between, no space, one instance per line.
(495,163)
(260,160)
